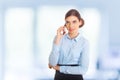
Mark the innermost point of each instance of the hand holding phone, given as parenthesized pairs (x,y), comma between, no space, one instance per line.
(63,32)
(60,32)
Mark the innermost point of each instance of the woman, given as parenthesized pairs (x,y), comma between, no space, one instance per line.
(69,55)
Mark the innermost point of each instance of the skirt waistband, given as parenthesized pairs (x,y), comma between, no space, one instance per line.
(68,64)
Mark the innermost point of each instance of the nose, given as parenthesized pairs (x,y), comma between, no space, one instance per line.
(70,25)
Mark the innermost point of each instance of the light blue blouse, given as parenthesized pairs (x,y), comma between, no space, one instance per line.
(71,51)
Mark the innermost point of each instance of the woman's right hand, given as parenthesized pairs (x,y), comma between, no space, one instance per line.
(60,33)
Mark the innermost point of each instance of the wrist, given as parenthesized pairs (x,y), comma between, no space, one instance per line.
(57,40)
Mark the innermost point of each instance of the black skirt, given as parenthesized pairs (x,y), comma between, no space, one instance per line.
(62,76)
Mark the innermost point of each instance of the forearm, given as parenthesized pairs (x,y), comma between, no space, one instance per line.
(57,40)
(53,59)
(54,56)
(73,69)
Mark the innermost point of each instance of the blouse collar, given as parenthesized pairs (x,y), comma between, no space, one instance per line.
(76,38)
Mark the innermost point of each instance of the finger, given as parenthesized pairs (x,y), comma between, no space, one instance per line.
(49,66)
(60,30)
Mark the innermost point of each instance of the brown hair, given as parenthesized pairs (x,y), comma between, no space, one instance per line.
(74,12)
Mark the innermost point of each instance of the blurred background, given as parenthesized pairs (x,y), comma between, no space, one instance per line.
(27,29)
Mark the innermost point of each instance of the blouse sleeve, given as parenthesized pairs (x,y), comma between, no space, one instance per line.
(54,55)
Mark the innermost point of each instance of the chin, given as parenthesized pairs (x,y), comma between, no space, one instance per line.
(71,32)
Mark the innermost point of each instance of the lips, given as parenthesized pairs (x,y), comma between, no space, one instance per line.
(71,30)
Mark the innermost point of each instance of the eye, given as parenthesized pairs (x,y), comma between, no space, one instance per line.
(74,21)
(67,22)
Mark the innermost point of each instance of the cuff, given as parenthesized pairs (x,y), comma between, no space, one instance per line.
(62,69)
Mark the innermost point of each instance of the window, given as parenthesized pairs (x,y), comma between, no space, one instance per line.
(18,44)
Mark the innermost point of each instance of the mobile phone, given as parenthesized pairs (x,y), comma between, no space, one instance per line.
(65,29)
(63,32)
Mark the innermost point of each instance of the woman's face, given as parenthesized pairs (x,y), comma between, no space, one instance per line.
(72,24)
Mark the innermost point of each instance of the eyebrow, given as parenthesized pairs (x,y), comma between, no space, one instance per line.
(72,21)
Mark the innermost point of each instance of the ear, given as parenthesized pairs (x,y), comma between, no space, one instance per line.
(81,22)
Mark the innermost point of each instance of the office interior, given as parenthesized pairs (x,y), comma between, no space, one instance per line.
(27,29)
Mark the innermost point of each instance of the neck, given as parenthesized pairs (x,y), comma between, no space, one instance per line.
(73,35)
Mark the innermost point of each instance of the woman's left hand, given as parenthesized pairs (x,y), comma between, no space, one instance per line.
(50,66)
(56,67)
